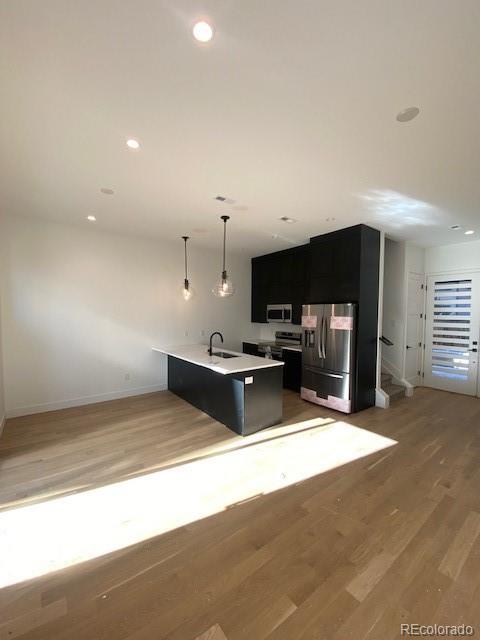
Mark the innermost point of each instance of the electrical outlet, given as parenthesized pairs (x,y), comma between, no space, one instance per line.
(186,333)
(127,376)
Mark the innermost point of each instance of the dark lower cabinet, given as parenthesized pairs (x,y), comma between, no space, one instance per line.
(246,402)
(251,348)
(292,370)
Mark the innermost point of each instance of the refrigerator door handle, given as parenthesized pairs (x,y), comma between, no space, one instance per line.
(324,373)
(320,341)
(324,337)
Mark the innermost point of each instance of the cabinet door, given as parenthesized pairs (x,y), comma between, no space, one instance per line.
(275,289)
(250,348)
(259,288)
(292,370)
(280,278)
(334,267)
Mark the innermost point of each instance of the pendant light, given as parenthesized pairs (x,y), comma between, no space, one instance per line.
(187,290)
(224,287)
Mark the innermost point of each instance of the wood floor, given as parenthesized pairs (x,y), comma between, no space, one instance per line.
(392,537)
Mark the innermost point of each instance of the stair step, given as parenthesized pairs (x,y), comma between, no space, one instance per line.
(394,391)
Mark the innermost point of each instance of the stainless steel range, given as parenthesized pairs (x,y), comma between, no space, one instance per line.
(282,339)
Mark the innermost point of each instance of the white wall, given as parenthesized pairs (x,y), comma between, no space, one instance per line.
(2,397)
(393,326)
(401,258)
(414,259)
(82,309)
(453,257)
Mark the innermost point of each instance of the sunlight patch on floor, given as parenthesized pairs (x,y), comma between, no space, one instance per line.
(47,536)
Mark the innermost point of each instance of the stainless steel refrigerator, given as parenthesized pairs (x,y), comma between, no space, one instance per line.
(328,354)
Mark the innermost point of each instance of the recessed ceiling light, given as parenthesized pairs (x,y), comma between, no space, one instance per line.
(455,227)
(133,144)
(408,114)
(287,219)
(91,218)
(202,31)
(469,232)
(107,192)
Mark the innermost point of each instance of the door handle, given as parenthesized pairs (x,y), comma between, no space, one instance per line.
(473,350)
(324,351)
(323,373)
(324,337)
(320,341)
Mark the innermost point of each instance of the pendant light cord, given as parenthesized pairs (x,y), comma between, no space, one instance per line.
(185,238)
(224,218)
(224,241)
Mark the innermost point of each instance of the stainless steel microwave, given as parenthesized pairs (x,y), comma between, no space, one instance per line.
(279,313)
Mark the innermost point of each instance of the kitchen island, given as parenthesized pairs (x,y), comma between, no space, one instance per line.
(243,392)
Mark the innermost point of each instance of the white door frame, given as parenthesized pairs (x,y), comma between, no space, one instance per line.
(423,279)
(444,273)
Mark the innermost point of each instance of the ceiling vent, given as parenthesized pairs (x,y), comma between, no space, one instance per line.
(225,199)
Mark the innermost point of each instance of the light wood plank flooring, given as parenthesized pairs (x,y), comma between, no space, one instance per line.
(353,552)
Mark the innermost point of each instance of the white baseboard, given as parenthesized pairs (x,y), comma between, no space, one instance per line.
(382,399)
(78,402)
(409,389)
(3,419)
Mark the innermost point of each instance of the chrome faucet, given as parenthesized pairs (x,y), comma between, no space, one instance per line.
(215,333)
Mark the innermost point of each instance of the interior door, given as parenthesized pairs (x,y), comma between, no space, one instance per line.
(414,328)
(452,332)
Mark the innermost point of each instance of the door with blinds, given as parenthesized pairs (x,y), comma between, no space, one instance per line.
(452,333)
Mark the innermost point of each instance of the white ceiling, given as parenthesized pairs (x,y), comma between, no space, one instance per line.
(290,110)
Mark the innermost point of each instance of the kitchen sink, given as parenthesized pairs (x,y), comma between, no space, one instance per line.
(224,354)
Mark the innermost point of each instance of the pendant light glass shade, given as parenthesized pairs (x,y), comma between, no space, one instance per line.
(187,289)
(224,286)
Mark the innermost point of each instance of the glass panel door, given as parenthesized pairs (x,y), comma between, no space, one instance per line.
(452,333)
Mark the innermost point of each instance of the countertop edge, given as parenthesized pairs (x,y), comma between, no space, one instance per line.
(265,364)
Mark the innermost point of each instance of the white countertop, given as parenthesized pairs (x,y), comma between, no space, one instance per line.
(198,354)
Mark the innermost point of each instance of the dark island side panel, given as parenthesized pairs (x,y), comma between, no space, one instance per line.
(244,408)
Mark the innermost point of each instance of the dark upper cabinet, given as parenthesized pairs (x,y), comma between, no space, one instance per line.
(279,278)
(334,265)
